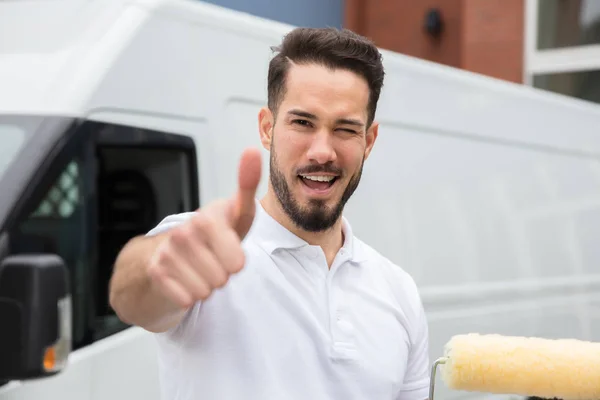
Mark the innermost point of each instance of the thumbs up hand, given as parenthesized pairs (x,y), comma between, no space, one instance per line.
(201,254)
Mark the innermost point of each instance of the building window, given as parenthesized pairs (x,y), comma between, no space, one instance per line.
(583,85)
(563,47)
(567,23)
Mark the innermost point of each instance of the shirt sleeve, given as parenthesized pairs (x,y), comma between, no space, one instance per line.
(417,376)
(170,222)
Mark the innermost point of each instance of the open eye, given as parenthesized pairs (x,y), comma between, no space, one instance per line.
(302,122)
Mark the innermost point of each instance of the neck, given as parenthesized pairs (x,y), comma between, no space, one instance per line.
(330,240)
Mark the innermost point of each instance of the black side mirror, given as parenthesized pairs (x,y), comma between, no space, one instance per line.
(35,310)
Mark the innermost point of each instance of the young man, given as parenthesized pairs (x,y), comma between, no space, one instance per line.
(276,299)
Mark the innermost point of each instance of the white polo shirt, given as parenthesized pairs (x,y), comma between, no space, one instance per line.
(287,327)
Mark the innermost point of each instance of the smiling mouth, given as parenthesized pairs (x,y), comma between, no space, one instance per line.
(318,182)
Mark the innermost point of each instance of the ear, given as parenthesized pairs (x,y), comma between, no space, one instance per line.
(372,133)
(266,121)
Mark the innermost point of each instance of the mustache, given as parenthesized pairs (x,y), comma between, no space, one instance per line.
(313,169)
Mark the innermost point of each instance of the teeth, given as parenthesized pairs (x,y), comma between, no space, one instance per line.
(318,178)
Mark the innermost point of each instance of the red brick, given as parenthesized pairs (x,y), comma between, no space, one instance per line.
(493,38)
(483,36)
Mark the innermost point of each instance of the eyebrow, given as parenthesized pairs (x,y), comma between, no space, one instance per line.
(341,121)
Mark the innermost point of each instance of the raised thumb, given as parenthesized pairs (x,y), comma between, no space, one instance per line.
(244,200)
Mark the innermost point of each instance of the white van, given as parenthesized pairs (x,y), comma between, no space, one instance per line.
(116,113)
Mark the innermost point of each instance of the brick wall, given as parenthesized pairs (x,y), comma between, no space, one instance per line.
(483,36)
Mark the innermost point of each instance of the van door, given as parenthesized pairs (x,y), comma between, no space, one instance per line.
(104,185)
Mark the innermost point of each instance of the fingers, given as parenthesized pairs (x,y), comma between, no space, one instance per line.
(228,251)
(183,265)
(168,286)
(197,258)
(248,180)
(175,277)
(173,290)
(200,255)
(220,243)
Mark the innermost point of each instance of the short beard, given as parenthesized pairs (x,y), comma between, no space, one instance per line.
(317,217)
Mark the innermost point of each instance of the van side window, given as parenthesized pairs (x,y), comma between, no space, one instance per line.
(59,224)
(63,199)
(119,184)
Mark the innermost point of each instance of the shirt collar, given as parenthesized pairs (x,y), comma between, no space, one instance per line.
(272,236)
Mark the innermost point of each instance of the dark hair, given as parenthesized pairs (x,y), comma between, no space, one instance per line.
(332,48)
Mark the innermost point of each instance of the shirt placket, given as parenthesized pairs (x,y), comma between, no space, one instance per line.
(341,328)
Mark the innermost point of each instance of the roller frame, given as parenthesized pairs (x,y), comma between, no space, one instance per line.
(439,361)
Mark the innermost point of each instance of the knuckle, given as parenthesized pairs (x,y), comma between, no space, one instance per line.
(205,223)
(198,222)
(154,271)
(163,258)
(178,237)
(239,260)
(186,303)
(203,292)
(221,278)
(163,264)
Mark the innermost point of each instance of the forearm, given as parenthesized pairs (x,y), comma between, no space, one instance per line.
(132,294)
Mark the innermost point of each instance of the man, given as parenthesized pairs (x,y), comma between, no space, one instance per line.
(276,299)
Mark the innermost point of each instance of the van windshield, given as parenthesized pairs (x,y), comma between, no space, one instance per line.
(26,140)
(16,132)
(12,139)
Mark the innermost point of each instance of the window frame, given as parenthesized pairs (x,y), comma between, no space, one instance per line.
(553,61)
(34,162)
(82,138)
(73,144)
(120,135)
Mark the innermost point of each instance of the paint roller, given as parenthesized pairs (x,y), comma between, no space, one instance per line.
(567,369)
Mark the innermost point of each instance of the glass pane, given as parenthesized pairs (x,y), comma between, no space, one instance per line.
(565,23)
(583,85)
(63,197)
(137,188)
(13,138)
(58,225)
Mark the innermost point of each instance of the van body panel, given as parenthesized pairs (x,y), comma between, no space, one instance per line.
(486,192)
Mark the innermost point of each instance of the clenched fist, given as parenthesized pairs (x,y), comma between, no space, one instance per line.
(200,255)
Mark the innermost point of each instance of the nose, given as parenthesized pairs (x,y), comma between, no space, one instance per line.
(321,149)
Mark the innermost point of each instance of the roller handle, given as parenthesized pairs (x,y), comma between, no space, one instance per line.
(437,362)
